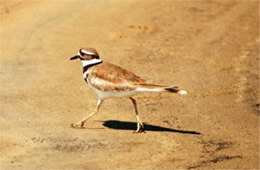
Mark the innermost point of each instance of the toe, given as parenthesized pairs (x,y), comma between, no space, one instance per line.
(77,126)
(140,128)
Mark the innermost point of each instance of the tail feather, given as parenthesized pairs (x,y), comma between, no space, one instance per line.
(175,90)
(160,88)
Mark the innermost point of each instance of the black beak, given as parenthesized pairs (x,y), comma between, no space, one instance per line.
(74,58)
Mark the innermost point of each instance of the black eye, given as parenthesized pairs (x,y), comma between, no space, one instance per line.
(81,53)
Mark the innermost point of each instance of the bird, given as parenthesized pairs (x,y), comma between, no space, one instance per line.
(109,81)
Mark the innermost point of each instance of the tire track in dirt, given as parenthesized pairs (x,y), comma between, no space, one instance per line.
(211,150)
(246,67)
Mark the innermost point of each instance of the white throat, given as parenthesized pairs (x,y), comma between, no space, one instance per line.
(90,62)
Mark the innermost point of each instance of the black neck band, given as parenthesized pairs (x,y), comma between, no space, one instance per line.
(85,68)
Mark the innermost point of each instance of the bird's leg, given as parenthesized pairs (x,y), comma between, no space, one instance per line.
(81,123)
(140,124)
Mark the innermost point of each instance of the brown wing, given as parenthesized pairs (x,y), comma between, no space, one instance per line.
(107,77)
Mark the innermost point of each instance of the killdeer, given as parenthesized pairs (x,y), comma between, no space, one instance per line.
(109,80)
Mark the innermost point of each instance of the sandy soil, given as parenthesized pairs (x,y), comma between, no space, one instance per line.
(210,48)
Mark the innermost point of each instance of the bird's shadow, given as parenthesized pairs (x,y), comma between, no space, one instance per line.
(122,125)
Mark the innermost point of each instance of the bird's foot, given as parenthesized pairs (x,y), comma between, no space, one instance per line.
(78,125)
(140,127)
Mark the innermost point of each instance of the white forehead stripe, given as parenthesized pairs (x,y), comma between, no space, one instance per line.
(87,52)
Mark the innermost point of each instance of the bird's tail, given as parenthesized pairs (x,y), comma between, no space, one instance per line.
(160,88)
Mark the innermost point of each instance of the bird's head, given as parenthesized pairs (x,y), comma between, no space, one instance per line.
(87,56)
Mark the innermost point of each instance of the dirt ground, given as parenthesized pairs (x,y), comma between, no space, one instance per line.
(209,48)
